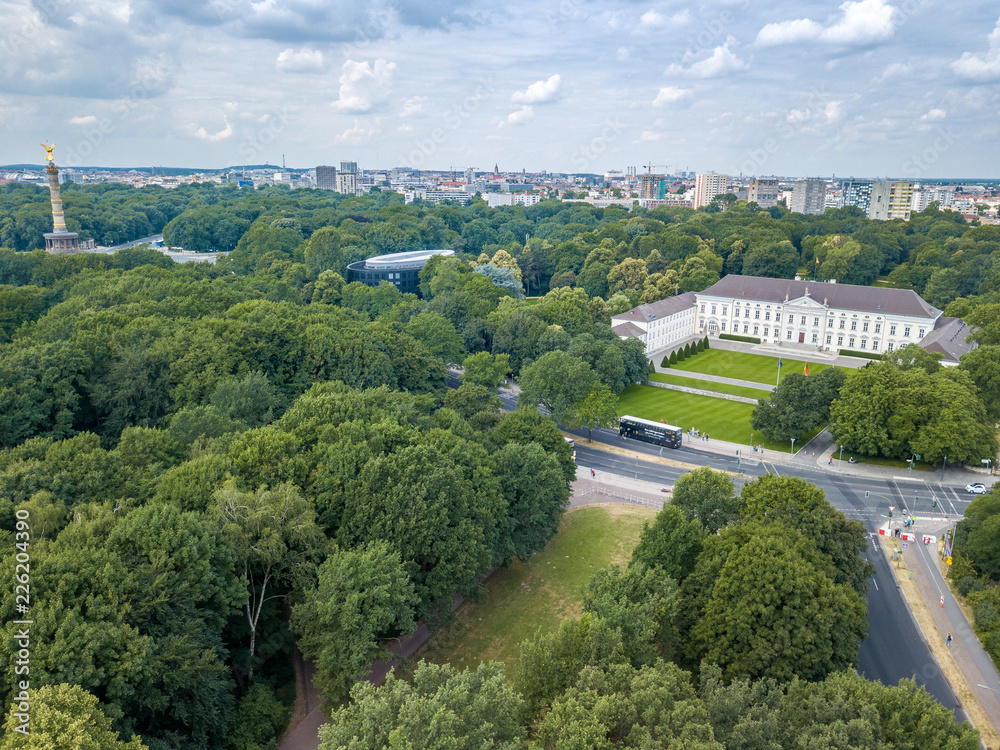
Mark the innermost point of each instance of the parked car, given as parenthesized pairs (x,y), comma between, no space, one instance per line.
(977,489)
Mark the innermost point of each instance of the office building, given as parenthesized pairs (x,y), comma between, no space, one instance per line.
(707,186)
(809,197)
(399,269)
(326,178)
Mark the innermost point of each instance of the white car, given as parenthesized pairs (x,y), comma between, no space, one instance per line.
(977,489)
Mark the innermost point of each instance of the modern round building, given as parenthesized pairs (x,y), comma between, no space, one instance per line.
(399,269)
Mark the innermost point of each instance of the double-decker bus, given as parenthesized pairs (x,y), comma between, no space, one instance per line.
(650,431)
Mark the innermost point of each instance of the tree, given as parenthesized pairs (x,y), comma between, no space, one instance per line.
(769,585)
(364,598)
(486,370)
(641,604)
(252,400)
(505,278)
(277,545)
(799,505)
(63,717)
(983,365)
(625,707)
(557,381)
(631,273)
(436,333)
(798,404)
(672,543)
(708,496)
(665,362)
(599,408)
(473,709)
(536,491)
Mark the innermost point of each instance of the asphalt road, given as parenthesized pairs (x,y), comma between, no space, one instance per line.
(894,648)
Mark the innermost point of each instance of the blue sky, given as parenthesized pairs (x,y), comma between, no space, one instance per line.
(903,88)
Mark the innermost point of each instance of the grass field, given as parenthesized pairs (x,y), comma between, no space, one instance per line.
(721,419)
(708,385)
(753,367)
(541,592)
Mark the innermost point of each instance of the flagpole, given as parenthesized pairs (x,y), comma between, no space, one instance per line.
(777,380)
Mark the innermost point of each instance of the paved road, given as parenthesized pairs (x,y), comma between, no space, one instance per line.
(894,648)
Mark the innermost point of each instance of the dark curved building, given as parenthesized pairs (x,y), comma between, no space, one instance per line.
(399,269)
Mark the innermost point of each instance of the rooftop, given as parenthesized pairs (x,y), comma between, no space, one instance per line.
(409,259)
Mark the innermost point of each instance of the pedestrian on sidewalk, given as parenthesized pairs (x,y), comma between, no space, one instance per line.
(947,641)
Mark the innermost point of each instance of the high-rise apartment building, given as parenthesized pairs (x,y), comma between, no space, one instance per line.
(707,186)
(326,178)
(856,193)
(652,186)
(891,199)
(809,197)
(348,166)
(763,191)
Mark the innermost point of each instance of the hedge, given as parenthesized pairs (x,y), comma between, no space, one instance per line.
(862,355)
(747,339)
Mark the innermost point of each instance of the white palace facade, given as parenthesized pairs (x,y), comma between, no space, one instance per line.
(807,316)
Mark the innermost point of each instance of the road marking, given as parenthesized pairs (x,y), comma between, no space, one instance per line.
(876,584)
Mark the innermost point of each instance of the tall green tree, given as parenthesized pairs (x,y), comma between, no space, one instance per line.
(364,599)
(599,408)
(707,495)
(557,381)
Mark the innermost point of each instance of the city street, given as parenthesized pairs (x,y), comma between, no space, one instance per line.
(895,647)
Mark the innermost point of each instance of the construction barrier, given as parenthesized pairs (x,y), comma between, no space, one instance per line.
(929,539)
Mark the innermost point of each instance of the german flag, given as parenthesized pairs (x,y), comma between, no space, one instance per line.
(807,368)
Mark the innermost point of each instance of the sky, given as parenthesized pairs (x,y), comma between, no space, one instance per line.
(873,88)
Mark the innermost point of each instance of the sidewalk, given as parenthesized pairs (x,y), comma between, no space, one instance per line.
(966,652)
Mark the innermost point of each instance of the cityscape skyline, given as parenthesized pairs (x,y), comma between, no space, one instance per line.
(870,88)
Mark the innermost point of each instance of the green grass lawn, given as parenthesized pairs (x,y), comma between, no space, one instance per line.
(708,385)
(541,592)
(756,368)
(894,463)
(721,419)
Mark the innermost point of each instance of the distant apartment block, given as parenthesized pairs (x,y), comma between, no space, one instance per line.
(763,191)
(856,193)
(707,186)
(326,178)
(652,186)
(924,196)
(809,197)
(436,196)
(891,199)
(511,199)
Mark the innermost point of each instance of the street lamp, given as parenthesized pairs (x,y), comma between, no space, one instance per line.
(793,447)
(987,462)
(840,460)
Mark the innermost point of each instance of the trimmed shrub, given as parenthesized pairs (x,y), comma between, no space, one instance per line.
(687,349)
(681,356)
(861,355)
(706,344)
(673,358)
(665,362)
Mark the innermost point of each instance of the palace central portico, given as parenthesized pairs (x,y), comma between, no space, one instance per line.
(809,316)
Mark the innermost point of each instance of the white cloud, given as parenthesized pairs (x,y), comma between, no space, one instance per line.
(539,91)
(934,114)
(623,54)
(653,19)
(861,22)
(981,67)
(83,120)
(721,61)
(300,61)
(650,135)
(356,135)
(362,85)
(521,116)
(413,105)
(893,70)
(833,111)
(669,94)
(788,32)
(215,137)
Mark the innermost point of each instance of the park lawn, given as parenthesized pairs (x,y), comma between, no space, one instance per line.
(721,419)
(541,592)
(894,463)
(708,385)
(756,368)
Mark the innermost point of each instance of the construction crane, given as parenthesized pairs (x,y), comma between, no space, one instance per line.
(649,167)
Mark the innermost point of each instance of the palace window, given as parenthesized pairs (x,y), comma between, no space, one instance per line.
(842,325)
(767,315)
(864,326)
(906,331)
(854,325)
(756,314)
(878,328)
(920,333)
(840,340)
(755,330)
(850,342)
(815,321)
(789,335)
(892,330)
(815,338)
(828,339)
